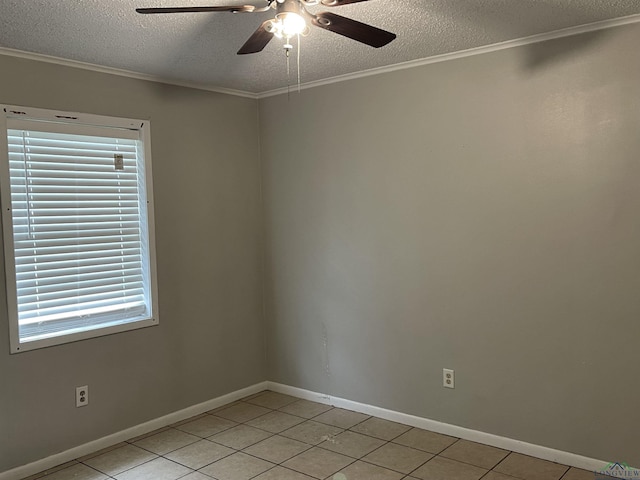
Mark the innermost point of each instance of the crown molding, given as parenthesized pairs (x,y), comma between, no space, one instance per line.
(495,47)
(10,52)
(565,32)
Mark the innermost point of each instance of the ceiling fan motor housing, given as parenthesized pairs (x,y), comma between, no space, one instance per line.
(288,6)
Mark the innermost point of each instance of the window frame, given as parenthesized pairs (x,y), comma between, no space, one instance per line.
(83,122)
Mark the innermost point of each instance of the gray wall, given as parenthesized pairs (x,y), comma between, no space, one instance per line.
(210,340)
(479,214)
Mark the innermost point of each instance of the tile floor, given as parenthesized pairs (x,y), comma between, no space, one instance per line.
(270,436)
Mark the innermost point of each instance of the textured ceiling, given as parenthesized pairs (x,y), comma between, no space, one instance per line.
(200,48)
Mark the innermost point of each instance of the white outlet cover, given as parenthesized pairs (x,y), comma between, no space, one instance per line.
(82,396)
(448,378)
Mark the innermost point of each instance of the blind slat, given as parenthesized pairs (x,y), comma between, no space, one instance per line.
(131,235)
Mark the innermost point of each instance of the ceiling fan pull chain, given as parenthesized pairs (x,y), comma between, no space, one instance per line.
(287,50)
(298,63)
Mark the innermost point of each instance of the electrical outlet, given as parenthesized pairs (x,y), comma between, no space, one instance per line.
(82,396)
(448,378)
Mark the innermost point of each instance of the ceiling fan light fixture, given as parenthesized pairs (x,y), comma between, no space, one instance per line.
(291,24)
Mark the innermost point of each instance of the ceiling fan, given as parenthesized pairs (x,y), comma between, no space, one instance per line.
(292,18)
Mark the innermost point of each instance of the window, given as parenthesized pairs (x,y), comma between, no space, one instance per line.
(77,216)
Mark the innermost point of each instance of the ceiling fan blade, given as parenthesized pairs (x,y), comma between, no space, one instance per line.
(337,3)
(360,32)
(232,9)
(257,41)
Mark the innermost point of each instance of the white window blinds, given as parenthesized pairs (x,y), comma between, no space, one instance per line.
(80,228)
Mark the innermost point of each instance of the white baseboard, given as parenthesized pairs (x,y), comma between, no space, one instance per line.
(88,448)
(545,453)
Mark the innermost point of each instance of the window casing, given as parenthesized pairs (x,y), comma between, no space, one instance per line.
(78,227)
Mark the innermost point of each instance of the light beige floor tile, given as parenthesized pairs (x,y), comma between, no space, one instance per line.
(206,426)
(240,437)
(277,449)
(224,407)
(249,397)
(529,468)
(158,469)
(272,400)
(425,440)
(196,476)
(312,432)
(475,453)
(121,459)
(493,475)
(280,473)
(339,417)
(439,468)
(150,434)
(579,474)
(188,420)
(379,428)
(238,466)
(101,451)
(305,408)
(275,422)
(318,462)
(365,471)
(77,471)
(352,444)
(199,454)
(166,441)
(398,457)
(242,412)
